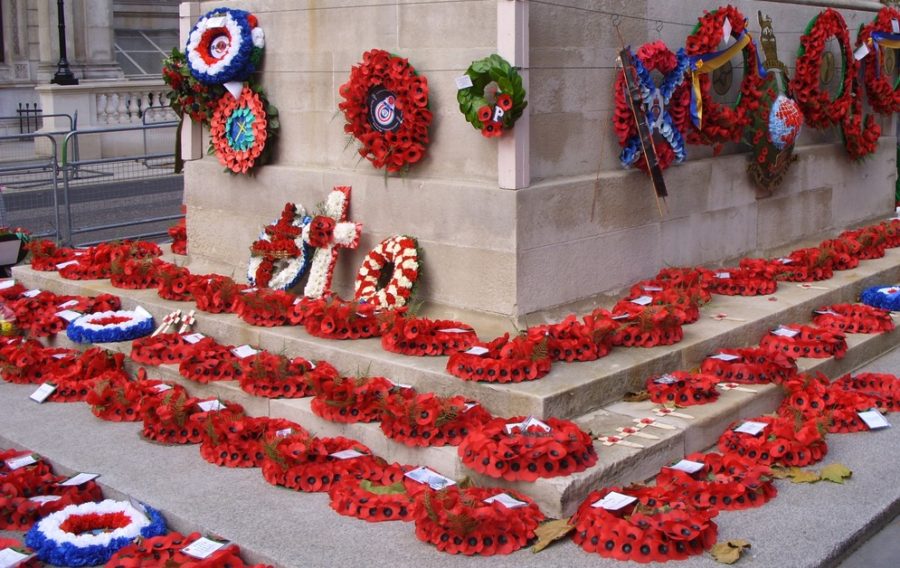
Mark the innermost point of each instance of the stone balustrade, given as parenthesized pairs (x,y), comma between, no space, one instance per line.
(123,105)
(110,104)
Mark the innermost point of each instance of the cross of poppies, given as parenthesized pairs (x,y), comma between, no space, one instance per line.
(329,232)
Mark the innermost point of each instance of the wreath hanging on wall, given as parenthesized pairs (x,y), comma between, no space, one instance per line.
(241,129)
(666,106)
(715,123)
(495,97)
(225,45)
(386,109)
(817,105)
(881,90)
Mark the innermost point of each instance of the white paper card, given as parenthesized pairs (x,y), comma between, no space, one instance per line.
(506,500)
(613,501)
(7,284)
(68,304)
(43,392)
(217,22)
(68,315)
(454,330)
(244,351)
(874,419)
(194,338)
(620,317)
(211,405)
(477,350)
(163,387)
(725,357)
(861,52)
(527,423)
(10,558)
(895,27)
(142,312)
(726,31)
(235,88)
(139,507)
(31,293)
(785,331)
(346,454)
(41,499)
(463,82)
(826,313)
(248,290)
(79,479)
(20,461)
(752,428)
(284,433)
(203,548)
(652,288)
(62,265)
(688,466)
(61,355)
(666,379)
(433,479)
(723,275)
(642,300)
(469,406)
(400,385)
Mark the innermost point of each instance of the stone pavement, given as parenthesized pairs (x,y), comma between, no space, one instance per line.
(806,525)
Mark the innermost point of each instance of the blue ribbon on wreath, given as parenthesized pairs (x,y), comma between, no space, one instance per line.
(881,40)
(709,62)
(661,122)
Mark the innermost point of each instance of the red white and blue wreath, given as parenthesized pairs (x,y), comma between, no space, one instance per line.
(105,327)
(656,99)
(225,45)
(884,297)
(90,533)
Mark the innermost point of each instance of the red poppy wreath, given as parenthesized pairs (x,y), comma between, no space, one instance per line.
(716,123)
(819,110)
(881,88)
(386,108)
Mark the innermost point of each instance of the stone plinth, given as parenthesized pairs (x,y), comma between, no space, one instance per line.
(582,226)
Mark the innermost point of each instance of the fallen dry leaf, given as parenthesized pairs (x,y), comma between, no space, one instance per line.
(729,552)
(804,476)
(835,473)
(636,396)
(549,532)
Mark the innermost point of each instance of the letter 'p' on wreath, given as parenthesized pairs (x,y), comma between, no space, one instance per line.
(491,95)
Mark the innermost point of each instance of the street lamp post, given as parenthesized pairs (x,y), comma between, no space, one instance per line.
(63,74)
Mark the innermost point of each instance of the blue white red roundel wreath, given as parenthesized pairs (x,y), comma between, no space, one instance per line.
(884,297)
(224,45)
(90,533)
(104,327)
(399,252)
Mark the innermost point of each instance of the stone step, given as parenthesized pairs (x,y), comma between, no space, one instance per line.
(570,389)
(562,495)
(292,529)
